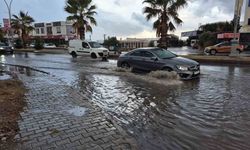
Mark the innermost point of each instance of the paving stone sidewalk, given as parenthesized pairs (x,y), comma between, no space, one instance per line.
(57,116)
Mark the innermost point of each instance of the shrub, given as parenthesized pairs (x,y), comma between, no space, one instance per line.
(207,39)
(18,43)
(39,44)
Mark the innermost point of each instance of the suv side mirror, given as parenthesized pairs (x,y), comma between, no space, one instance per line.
(154,58)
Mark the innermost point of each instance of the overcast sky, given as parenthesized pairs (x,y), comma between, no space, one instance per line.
(124,18)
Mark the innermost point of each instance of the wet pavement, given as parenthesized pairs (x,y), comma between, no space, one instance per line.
(212,112)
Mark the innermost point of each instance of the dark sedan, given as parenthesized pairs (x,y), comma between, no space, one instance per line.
(151,59)
(4,48)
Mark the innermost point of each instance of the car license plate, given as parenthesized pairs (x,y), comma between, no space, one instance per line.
(197,72)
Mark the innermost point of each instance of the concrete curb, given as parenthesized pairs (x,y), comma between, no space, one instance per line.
(48,51)
(219,59)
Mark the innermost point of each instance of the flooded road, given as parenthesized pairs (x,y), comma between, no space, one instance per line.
(212,112)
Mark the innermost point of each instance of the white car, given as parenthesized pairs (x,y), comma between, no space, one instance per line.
(93,49)
(49,45)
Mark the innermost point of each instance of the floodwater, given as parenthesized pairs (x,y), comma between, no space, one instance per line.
(212,112)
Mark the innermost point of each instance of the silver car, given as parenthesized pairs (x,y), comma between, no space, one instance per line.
(151,59)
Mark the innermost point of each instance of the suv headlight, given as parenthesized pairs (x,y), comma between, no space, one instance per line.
(182,68)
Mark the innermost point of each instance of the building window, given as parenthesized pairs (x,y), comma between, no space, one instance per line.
(58,29)
(37,31)
(248,21)
(42,30)
(49,30)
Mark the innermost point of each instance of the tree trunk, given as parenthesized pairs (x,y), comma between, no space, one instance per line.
(163,40)
(23,38)
(82,33)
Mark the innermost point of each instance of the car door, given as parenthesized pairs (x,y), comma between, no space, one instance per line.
(134,59)
(147,61)
(224,47)
(84,48)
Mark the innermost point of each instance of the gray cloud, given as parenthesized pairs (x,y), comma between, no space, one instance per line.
(205,6)
(141,20)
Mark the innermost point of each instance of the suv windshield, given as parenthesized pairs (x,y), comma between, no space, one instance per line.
(164,54)
(95,45)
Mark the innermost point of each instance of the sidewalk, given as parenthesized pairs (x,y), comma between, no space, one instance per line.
(60,117)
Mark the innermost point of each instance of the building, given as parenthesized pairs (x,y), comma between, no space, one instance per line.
(132,43)
(246,25)
(57,32)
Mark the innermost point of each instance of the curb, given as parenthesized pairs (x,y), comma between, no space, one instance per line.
(219,59)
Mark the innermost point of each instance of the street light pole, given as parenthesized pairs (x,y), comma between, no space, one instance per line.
(9,12)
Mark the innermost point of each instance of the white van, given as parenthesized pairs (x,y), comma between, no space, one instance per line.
(93,49)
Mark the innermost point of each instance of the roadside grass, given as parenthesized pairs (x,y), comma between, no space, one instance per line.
(11,104)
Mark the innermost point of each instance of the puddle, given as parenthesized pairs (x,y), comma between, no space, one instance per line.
(17,70)
(4,76)
(77,111)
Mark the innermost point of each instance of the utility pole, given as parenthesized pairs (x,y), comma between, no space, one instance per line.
(237,13)
(9,30)
(104,36)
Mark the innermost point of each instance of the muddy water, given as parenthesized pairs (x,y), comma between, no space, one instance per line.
(210,113)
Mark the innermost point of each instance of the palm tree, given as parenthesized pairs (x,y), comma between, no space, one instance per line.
(22,24)
(82,12)
(166,12)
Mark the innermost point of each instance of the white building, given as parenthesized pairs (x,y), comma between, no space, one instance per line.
(60,30)
(246,24)
(132,43)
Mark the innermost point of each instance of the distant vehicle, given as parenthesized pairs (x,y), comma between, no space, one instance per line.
(93,49)
(151,59)
(32,45)
(49,45)
(194,43)
(4,48)
(223,47)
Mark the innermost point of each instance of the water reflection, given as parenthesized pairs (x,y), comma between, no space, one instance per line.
(210,113)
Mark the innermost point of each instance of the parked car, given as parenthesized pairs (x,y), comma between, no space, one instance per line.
(49,45)
(4,48)
(223,47)
(93,49)
(151,59)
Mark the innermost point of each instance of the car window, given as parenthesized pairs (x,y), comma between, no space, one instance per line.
(95,45)
(136,53)
(85,45)
(146,54)
(164,54)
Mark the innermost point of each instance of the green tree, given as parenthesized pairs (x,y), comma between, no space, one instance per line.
(82,14)
(218,27)
(111,42)
(22,25)
(166,12)
(39,43)
(207,39)
(151,44)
